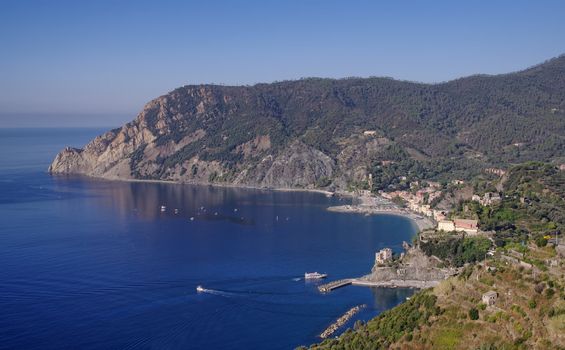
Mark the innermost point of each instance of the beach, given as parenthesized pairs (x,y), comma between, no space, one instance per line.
(369,205)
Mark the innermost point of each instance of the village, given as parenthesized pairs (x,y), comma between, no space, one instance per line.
(420,265)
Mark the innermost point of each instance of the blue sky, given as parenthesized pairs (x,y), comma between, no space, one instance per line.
(97,62)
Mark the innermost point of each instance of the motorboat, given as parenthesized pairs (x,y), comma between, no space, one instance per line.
(314,275)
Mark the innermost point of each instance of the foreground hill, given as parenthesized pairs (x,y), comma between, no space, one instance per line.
(525,270)
(325,132)
(529,313)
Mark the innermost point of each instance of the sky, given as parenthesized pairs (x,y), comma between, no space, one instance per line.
(96,63)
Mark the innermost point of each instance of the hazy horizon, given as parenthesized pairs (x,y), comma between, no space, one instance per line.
(98,63)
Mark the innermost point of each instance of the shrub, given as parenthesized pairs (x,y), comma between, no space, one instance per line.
(532,304)
(474,314)
(541,241)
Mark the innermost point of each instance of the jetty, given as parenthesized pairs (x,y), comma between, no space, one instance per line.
(341,321)
(328,287)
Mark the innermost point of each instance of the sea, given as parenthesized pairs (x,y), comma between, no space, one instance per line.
(96,264)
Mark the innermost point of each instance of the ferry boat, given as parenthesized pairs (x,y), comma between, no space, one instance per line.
(314,275)
(199,289)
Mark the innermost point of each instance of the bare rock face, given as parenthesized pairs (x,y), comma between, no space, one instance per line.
(298,166)
(173,139)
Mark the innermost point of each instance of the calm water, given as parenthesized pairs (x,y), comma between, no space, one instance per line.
(94,264)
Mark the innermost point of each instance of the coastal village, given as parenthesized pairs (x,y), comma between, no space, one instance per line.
(413,267)
(484,289)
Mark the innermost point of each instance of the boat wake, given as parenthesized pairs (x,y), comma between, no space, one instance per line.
(212,291)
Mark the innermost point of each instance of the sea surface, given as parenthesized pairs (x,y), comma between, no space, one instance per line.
(93,264)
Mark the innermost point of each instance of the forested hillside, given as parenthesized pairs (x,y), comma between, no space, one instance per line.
(325,132)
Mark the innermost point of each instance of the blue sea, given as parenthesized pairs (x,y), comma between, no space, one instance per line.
(93,264)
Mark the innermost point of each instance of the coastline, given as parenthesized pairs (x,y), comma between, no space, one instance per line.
(369,205)
(363,281)
(224,185)
(384,207)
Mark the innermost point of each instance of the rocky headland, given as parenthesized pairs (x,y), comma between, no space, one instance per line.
(331,134)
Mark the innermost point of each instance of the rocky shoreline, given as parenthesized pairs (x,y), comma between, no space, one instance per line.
(364,281)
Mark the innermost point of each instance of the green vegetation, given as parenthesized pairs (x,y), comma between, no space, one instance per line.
(388,327)
(531,300)
(457,250)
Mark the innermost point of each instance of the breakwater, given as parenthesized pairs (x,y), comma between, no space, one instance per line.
(341,321)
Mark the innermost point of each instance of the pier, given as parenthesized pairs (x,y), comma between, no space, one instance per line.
(328,287)
(364,281)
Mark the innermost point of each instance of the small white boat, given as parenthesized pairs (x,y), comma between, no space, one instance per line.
(192,218)
(314,275)
(176,211)
(199,289)
(163,208)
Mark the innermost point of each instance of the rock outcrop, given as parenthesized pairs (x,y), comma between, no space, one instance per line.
(414,265)
(177,137)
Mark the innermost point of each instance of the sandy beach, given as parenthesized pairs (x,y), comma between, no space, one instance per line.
(377,205)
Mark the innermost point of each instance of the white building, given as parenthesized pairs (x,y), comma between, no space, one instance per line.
(446,225)
(489,298)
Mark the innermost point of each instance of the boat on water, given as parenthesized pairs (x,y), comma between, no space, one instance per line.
(199,289)
(314,275)
(163,208)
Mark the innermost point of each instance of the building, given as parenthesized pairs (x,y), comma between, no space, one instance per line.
(469,226)
(488,198)
(384,255)
(491,198)
(369,132)
(446,225)
(489,298)
(495,171)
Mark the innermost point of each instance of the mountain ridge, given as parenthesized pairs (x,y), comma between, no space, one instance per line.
(334,133)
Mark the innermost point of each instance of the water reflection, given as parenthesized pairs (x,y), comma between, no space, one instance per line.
(192,202)
(384,297)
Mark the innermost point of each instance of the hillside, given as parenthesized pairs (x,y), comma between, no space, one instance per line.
(529,313)
(333,133)
(525,268)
